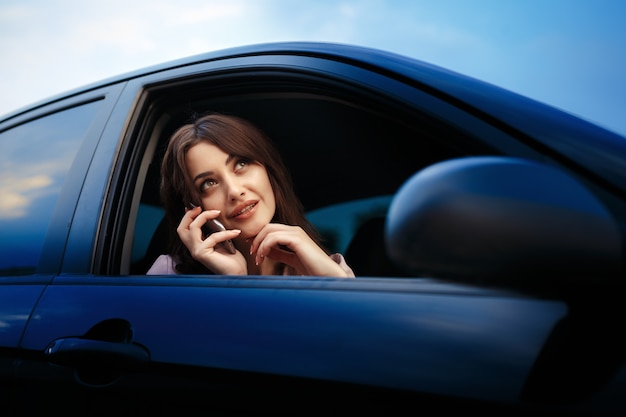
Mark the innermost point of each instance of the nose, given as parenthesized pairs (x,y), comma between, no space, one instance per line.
(235,188)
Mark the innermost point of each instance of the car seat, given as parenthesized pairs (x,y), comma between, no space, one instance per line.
(366,253)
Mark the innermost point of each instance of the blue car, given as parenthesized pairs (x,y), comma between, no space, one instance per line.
(485,229)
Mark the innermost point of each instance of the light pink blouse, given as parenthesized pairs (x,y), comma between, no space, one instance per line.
(164,265)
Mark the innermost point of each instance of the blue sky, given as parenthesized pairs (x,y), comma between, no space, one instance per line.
(567,53)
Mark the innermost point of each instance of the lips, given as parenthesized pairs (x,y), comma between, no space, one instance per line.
(243,210)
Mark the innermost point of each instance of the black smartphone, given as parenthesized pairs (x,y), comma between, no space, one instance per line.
(215,225)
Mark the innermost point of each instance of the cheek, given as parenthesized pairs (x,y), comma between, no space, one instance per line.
(271,201)
(214,202)
(269,193)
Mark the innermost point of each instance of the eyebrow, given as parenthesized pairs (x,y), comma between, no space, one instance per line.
(207,173)
(202,175)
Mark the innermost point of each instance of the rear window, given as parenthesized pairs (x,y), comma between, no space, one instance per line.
(34,160)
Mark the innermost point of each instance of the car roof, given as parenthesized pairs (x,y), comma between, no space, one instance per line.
(529,120)
(480,95)
(431,77)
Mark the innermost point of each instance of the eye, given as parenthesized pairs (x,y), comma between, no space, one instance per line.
(241,164)
(205,185)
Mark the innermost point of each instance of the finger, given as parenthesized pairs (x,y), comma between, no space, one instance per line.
(188,217)
(275,243)
(224,239)
(266,231)
(202,218)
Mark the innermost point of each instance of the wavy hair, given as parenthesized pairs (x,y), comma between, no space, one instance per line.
(237,137)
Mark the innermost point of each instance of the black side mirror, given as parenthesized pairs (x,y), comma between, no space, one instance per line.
(501,219)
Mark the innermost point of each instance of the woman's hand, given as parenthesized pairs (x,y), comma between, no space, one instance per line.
(291,245)
(208,250)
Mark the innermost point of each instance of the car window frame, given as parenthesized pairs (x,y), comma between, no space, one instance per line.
(146,91)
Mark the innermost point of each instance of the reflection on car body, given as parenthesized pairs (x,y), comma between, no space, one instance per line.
(485,230)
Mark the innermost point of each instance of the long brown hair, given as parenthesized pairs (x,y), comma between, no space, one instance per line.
(237,137)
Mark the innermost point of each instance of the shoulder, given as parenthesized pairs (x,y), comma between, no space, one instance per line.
(164,265)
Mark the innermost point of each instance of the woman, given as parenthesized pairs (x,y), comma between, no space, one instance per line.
(222,167)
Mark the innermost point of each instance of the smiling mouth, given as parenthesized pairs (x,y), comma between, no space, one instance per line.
(244,210)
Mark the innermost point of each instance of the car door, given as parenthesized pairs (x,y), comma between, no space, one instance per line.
(104,338)
(45,153)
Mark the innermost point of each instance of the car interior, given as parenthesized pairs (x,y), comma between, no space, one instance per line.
(348,152)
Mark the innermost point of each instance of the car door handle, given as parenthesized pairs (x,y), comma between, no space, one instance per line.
(79,353)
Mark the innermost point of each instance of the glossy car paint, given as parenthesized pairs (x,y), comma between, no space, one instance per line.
(425,336)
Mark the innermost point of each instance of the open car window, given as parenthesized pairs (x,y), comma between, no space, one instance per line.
(348,153)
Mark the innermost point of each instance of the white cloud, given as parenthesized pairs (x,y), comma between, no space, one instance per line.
(16,194)
(208,13)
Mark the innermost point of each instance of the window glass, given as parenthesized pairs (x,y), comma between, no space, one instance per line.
(34,160)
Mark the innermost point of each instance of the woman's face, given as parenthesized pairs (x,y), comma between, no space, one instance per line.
(240,188)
